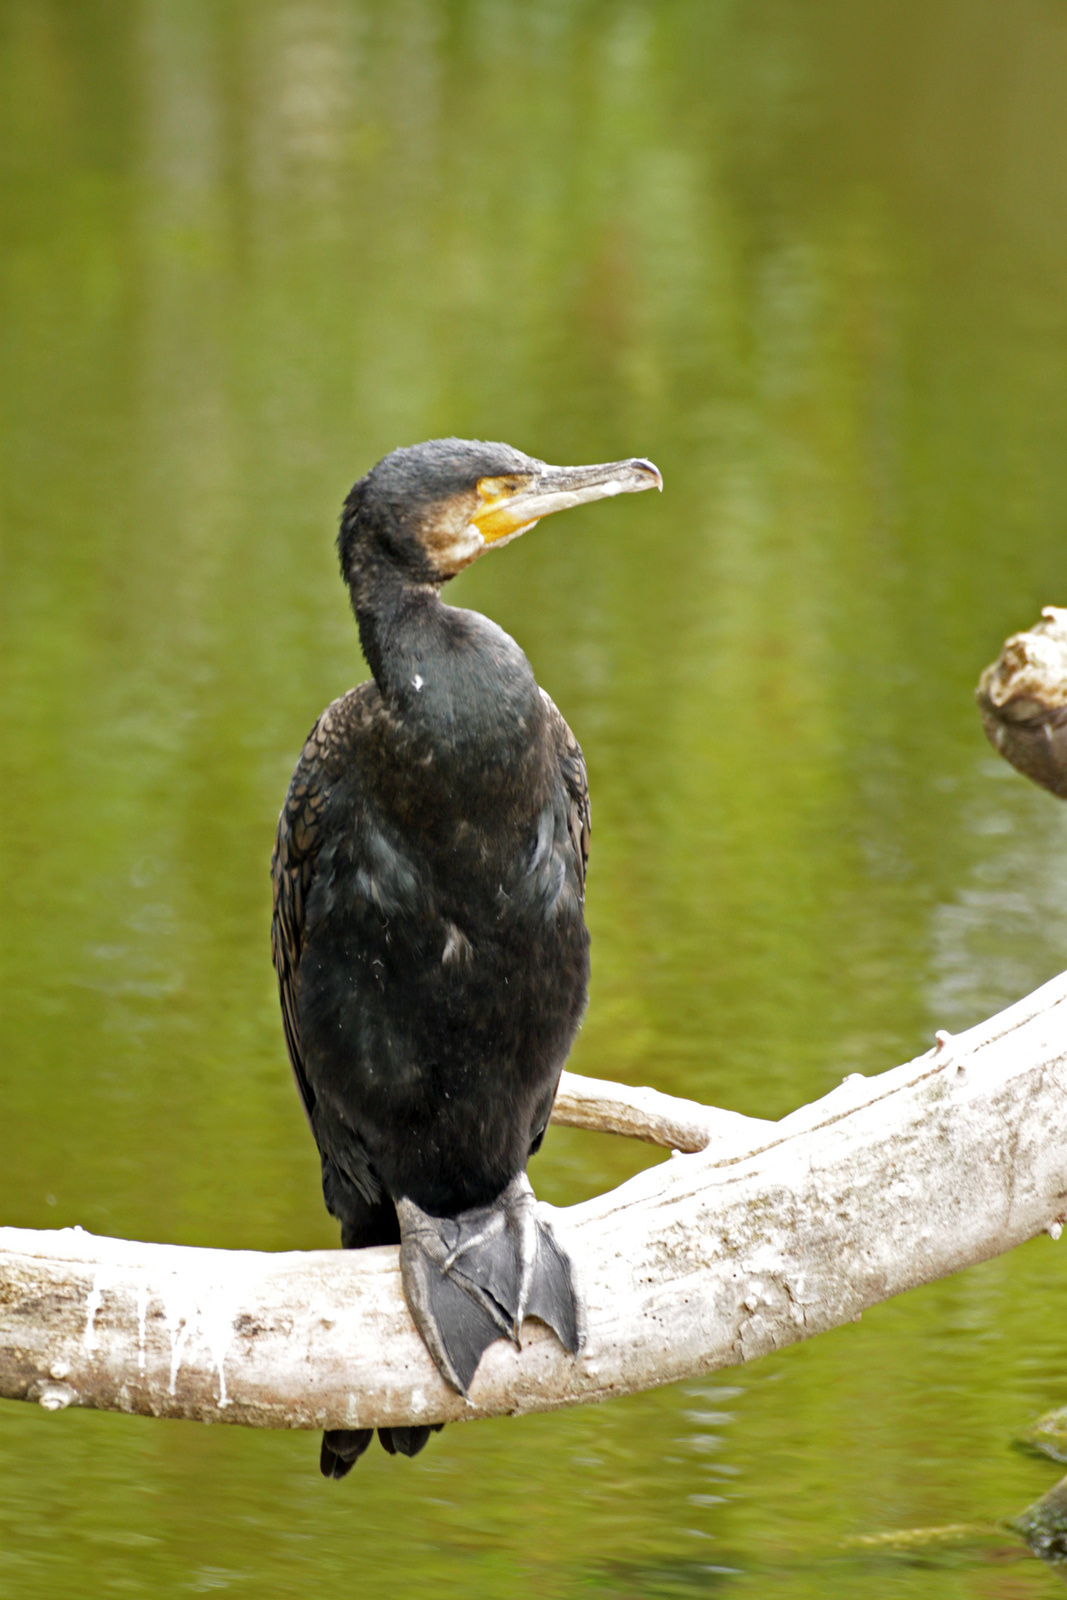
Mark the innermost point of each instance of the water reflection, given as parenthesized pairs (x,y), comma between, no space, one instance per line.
(1014,897)
(809,259)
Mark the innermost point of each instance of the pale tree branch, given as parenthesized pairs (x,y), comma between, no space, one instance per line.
(704,1261)
(762,1234)
(647,1114)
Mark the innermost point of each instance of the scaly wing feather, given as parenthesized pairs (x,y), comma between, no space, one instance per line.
(292,870)
(576,781)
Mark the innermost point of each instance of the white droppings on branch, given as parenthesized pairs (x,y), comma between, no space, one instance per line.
(56,1397)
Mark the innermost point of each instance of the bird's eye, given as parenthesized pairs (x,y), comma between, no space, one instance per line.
(493,489)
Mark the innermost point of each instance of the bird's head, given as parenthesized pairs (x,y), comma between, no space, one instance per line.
(434,508)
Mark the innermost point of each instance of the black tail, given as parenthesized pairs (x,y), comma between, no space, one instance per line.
(363,1222)
(342,1447)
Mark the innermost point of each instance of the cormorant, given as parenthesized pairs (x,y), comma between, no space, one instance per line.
(428,931)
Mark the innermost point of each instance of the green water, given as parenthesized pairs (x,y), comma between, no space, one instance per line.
(811,257)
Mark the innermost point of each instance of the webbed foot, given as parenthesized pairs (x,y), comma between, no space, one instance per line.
(475,1277)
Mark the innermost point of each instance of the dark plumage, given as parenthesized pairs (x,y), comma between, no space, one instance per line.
(428,931)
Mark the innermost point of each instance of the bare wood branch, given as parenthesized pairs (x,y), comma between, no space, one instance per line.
(704,1261)
(647,1114)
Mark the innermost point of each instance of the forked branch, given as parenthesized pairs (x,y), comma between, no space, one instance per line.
(762,1234)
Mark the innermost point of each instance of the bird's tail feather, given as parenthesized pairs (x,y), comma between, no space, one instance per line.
(342,1447)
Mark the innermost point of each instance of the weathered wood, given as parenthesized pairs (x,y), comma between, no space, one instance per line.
(647,1114)
(704,1261)
(1022,697)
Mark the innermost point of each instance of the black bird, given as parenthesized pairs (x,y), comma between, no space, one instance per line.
(428,931)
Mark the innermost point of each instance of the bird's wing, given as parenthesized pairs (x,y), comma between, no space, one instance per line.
(302,836)
(292,870)
(576,782)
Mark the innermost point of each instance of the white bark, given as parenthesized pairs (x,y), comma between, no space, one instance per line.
(772,1233)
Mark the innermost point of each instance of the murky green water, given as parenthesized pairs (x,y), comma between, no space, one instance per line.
(811,258)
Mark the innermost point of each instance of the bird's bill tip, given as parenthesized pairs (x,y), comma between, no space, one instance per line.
(509,508)
(648,472)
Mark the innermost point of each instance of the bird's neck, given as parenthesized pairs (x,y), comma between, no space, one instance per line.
(457,683)
(391,609)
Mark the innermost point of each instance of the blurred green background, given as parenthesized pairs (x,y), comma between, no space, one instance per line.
(811,257)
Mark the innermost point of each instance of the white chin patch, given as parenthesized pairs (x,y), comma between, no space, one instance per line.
(465,548)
